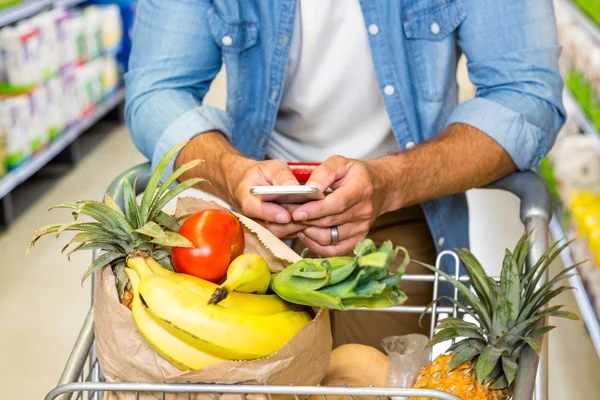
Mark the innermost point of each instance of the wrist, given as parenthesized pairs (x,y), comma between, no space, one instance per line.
(388,185)
(233,167)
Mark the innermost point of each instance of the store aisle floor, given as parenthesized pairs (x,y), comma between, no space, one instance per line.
(42,304)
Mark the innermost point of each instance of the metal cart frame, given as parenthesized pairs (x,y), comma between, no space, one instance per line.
(82,373)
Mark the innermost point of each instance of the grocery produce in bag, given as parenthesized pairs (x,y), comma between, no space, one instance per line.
(344,283)
(356,365)
(173,333)
(483,363)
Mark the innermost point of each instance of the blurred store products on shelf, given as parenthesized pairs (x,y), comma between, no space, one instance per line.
(591,8)
(55,68)
(580,63)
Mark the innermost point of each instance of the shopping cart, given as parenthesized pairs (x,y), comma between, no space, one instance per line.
(82,377)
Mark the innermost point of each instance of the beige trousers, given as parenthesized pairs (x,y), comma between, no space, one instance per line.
(407,228)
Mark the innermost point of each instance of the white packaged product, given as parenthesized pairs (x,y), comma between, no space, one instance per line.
(48,37)
(593,72)
(20,46)
(14,113)
(38,133)
(54,112)
(96,81)
(112,28)
(70,102)
(574,40)
(92,18)
(67,48)
(110,75)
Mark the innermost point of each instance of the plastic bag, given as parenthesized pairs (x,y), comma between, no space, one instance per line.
(407,355)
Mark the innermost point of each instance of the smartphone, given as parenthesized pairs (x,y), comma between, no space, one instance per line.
(287,194)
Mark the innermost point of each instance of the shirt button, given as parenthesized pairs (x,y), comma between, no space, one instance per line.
(435,28)
(441,241)
(410,145)
(373,29)
(274,94)
(226,40)
(284,40)
(389,90)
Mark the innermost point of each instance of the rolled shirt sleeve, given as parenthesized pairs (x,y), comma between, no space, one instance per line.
(514,64)
(169,75)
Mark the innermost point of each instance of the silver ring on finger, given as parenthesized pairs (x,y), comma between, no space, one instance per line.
(335,237)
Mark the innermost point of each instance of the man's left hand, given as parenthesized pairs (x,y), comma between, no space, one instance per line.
(357,199)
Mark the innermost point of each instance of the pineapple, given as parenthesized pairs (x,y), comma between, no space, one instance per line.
(483,364)
(117,234)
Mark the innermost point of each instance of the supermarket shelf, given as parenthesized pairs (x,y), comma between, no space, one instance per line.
(68,3)
(27,9)
(23,172)
(583,20)
(583,301)
(581,119)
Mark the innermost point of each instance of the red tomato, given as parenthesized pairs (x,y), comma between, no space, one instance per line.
(218,238)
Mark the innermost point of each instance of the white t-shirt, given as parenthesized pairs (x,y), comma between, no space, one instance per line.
(331,102)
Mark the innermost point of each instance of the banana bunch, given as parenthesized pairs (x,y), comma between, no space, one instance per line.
(172,313)
(345,283)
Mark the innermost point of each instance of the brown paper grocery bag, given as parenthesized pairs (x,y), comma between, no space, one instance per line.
(124,356)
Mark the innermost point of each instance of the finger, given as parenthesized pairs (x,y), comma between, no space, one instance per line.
(360,212)
(337,202)
(252,207)
(283,230)
(343,247)
(331,170)
(322,236)
(279,173)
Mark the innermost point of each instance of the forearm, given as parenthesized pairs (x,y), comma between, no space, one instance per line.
(223,164)
(460,158)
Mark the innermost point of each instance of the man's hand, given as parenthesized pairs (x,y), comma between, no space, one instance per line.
(356,201)
(277,218)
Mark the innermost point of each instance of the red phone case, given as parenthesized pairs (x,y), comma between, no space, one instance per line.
(302,170)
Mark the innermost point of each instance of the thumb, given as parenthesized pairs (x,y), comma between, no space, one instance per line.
(330,171)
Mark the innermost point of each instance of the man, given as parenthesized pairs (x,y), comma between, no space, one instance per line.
(366,87)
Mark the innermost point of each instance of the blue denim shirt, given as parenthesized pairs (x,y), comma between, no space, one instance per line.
(511,46)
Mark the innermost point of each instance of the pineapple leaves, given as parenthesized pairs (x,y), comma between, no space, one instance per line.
(167,221)
(477,277)
(132,210)
(451,322)
(462,354)
(151,229)
(509,366)
(172,239)
(171,194)
(112,204)
(486,362)
(172,178)
(510,293)
(103,260)
(159,236)
(122,278)
(152,185)
(44,230)
(534,343)
(453,333)
(467,295)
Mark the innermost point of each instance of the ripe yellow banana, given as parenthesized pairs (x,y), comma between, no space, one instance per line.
(171,348)
(248,273)
(220,331)
(248,303)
